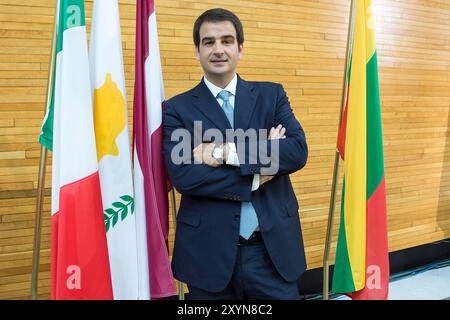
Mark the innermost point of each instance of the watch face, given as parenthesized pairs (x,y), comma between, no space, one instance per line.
(218,153)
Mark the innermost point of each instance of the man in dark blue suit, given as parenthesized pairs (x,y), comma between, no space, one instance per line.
(238,233)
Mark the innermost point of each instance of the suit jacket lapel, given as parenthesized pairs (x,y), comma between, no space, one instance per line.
(244,105)
(207,104)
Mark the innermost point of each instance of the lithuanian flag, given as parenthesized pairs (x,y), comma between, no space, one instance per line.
(362,265)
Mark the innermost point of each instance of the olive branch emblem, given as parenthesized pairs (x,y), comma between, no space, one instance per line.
(112,216)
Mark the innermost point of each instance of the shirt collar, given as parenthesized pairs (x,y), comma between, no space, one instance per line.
(215,90)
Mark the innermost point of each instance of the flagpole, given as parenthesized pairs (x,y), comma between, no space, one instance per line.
(326,256)
(174,213)
(42,167)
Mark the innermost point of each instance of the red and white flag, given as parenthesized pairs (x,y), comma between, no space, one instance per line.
(150,183)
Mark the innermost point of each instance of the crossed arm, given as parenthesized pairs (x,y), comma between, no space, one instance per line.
(210,178)
(200,179)
(203,153)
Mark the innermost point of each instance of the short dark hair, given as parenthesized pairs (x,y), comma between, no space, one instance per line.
(218,15)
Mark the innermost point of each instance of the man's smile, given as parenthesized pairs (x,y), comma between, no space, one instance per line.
(219,61)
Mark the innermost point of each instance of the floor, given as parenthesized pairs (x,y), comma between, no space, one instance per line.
(428,285)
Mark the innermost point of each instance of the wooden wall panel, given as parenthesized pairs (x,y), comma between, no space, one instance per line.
(300,44)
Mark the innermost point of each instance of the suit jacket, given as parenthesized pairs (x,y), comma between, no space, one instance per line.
(207,229)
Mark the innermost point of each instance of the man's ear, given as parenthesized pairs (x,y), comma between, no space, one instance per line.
(241,50)
(197,53)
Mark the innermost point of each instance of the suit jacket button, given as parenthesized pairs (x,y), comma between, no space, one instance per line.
(236,216)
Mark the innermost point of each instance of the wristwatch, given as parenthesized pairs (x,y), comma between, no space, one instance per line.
(217,153)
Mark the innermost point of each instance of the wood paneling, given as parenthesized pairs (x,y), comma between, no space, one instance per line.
(300,44)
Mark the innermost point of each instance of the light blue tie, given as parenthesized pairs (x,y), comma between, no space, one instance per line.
(226,106)
(249,220)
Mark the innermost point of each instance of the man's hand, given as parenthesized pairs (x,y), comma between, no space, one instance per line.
(203,154)
(264,179)
(275,133)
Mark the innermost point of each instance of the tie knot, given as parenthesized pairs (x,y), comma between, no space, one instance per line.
(224,95)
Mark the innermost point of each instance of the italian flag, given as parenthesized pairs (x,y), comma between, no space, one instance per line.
(79,257)
(362,266)
(113,149)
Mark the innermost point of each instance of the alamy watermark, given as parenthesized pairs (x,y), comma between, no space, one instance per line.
(252,146)
(73,281)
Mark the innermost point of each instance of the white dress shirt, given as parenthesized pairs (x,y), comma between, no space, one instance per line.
(232,159)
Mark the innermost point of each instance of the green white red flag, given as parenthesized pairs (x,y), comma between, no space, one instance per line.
(79,258)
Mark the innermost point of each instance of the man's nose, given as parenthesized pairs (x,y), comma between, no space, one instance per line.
(218,49)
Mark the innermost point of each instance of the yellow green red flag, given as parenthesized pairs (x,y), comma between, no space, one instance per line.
(362,265)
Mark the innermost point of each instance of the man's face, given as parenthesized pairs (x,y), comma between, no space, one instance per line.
(218,51)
